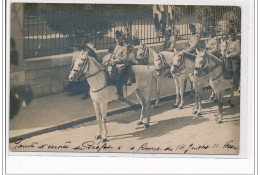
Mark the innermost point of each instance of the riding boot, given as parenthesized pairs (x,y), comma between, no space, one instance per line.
(120,91)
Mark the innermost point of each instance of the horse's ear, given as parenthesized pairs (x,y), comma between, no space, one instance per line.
(205,52)
(197,51)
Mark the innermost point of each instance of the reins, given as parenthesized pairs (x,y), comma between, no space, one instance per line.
(86,61)
(181,66)
(209,70)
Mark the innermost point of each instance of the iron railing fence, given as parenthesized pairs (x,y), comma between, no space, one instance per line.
(41,40)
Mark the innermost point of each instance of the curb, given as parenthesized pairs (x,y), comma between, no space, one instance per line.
(89,118)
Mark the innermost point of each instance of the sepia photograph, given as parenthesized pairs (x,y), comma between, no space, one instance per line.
(125,78)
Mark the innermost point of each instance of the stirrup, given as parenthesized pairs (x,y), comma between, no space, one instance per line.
(129,83)
(120,98)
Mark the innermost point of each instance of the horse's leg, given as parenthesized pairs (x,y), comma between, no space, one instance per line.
(196,99)
(220,107)
(181,84)
(139,96)
(98,117)
(212,95)
(232,98)
(200,87)
(157,79)
(146,96)
(185,84)
(177,93)
(191,89)
(103,107)
(145,102)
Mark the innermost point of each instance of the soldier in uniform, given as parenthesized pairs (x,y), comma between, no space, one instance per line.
(119,59)
(212,43)
(170,40)
(233,54)
(193,41)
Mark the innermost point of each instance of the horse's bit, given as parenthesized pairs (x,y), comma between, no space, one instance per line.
(145,57)
(164,63)
(180,67)
(205,69)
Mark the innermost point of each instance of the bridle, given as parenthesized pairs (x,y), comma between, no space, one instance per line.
(145,57)
(165,65)
(205,69)
(85,65)
(180,67)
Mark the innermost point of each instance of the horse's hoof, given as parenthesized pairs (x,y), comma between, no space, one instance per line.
(97,137)
(219,122)
(140,123)
(103,140)
(156,106)
(194,112)
(180,107)
(174,106)
(232,105)
(146,125)
(211,98)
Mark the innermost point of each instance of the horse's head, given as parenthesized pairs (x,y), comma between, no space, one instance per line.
(158,63)
(200,62)
(177,62)
(76,68)
(141,52)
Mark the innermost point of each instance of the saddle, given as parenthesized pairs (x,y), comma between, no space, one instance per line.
(228,71)
(122,74)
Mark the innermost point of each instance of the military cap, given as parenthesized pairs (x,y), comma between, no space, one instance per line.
(119,34)
(168,29)
(212,30)
(232,29)
(192,26)
(90,46)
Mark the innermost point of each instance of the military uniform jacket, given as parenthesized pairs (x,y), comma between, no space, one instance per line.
(233,49)
(193,43)
(212,45)
(120,55)
(170,44)
(223,47)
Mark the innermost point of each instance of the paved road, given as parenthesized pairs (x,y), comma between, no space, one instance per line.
(55,109)
(171,131)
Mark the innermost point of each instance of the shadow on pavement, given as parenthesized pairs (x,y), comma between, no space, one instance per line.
(161,128)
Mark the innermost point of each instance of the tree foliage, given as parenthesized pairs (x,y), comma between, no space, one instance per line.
(232,20)
(88,21)
(207,16)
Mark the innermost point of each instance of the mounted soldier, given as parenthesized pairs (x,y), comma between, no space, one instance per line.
(232,55)
(193,41)
(170,40)
(120,63)
(212,43)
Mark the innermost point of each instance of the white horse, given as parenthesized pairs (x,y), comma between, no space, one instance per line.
(145,56)
(101,92)
(182,65)
(210,66)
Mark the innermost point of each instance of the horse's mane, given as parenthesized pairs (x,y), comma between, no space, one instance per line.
(214,58)
(95,62)
(190,56)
